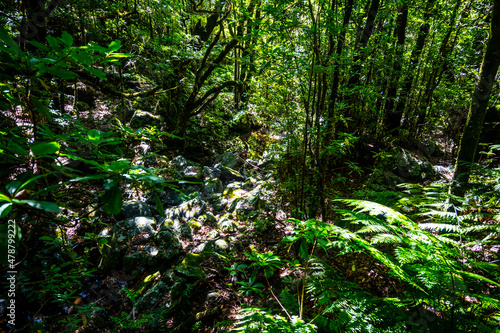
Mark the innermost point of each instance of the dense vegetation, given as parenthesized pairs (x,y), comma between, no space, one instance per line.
(250,166)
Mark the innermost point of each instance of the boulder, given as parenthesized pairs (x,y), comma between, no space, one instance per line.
(211,172)
(409,166)
(168,243)
(212,185)
(192,173)
(133,209)
(188,210)
(229,160)
(226,224)
(127,237)
(228,174)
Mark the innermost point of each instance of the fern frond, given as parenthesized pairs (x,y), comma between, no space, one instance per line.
(373,228)
(386,239)
(439,227)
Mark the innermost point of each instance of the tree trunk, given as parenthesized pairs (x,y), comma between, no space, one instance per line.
(477,111)
(394,118)
(400,33)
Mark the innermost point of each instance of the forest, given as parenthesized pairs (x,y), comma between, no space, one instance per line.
(249,166)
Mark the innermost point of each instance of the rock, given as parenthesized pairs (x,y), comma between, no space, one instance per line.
(188,210)
(192,173)
(168,243)
(227,225)
(229,174)
(409,166)
(211,172)
(179,227)
(213,296)
(212,185)
(190,267)
(133,209)
(208,217)
(152,296)
(144,119)
(178,162)
(131,227)
(172,198)
(221,245)
(229,160)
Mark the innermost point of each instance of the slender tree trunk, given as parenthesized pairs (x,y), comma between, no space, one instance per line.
(331,119)
(400,33)
(395,117)
(477,111)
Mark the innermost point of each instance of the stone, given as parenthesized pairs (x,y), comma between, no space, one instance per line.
(192,173)
(151,297)
(212,185)
(188,210)
(221,245)
(229,160)
(227,225)
(171,198)
(409,166)
(229,174)
(167,242)
(133,209)
(131,227)
(211,172)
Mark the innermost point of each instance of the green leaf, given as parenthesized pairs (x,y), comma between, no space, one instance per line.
(12,47)
(44,148)
(93,46)
(119,55)
(159,205)
(100,74)
(5,209)
(54,43)
(61,73)
(94,135)
(43,205)
(110,183)
(17,149)
(46,238)
(86,178)
(304,253)
(39,45)
(28,179)
(13,187)
(114,46)
(112,200)
(67,38)
(4,197)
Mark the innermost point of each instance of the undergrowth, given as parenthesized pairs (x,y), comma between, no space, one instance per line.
(440,251)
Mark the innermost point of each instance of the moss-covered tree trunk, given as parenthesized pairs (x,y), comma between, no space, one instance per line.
(477,111)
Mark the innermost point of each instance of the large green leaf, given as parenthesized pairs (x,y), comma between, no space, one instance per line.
(100,74)
(44,205)
(67,38)
(44,148)
(13,187)
(12,46)
(112,200)
(5,209)
(114,46)
(4,197)
(94,136)
(61,73)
